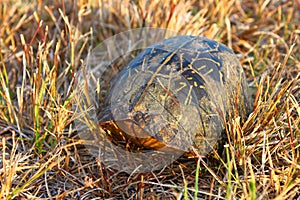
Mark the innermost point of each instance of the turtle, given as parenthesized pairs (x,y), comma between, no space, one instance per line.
(175,95)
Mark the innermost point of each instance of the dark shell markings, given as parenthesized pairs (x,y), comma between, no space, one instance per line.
(175,95)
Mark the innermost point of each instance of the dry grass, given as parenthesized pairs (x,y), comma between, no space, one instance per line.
(41,46)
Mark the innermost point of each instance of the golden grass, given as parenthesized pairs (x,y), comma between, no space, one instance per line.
(41,47)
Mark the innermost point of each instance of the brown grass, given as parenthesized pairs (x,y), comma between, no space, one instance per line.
(41,47)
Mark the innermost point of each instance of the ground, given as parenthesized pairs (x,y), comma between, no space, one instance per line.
(43,45)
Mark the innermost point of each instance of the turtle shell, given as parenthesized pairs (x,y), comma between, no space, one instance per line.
(175,95)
